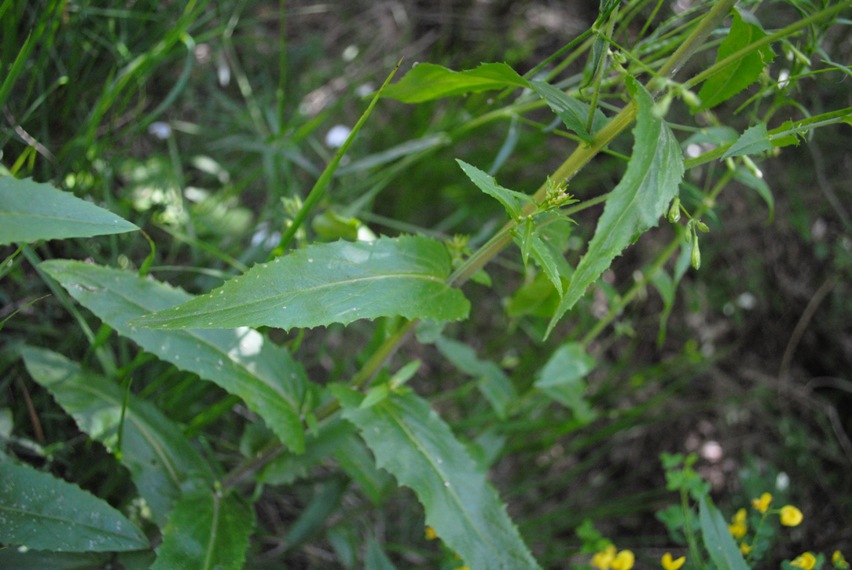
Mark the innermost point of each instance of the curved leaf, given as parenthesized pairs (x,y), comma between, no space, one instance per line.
(154,450)
(427,81)
(329,283)
(206,530)
(636,204)
(718,541)
(31,211)
(418,448)
(44,513)
(741,73)
(241,361)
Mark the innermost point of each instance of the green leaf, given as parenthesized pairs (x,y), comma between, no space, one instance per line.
(755,139)
(329,283)
(418,448)
(637,202)
(492,381)
(550,260)
(39,559)
(154,450)
(241,361)
(31,211)
(375,558)
(427,81)
(562,379)
(745,177)
(512,201)
(717,538)
(44,513)
(355,459)
(573,112)
(206,530)
(739,74)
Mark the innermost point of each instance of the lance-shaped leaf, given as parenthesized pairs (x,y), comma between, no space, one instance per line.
(206,530)
(562,379)
(154,450)
(718,541)
(411,442)
(755,139)
(427,81)
(330,283)
(242,361)
(492,381)
(637,202)
(511,200)
(573,112)
(739,74)
(31,211)
(44,513)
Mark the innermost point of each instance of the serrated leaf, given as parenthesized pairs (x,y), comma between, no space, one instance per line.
(637,202)
(206,530)
(154,450)
(717,538)
(31,211)
(336,282)
(741,73)
(512,201)
(755,139)
(549,260)
(355,459)
(492,381)
(418,448)
(241,361)
(42,559)
(573,112)
(44,513)
(427,81)
(562,379)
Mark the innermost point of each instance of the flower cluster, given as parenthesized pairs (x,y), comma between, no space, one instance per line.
(612,559)
(788,515)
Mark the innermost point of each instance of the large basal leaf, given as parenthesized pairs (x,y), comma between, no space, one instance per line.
(427,81)
(41,512)
(741,73)
(154,450)
(329,283)
(206,531)
(31,211)
(718,541)
(242,361)
(637,202)
(418,448)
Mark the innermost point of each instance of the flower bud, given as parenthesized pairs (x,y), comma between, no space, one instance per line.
(701,226)
(674,211)
(696,255)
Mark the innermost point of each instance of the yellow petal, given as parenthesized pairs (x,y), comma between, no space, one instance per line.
(672,564)
(624,560)
(762,504)
(805,560)
(791,516)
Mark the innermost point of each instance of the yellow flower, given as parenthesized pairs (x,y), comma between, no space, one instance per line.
(791,516)
(603,559)
(430,533)
(839,561)
(762,503)
(745,549)
(805,560)
(670,563)
(738,528)
(623,560)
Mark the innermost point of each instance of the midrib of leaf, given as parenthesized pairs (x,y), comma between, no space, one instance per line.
(131,416)
(214,529)
(194,335)
(70,522)
(416,442)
